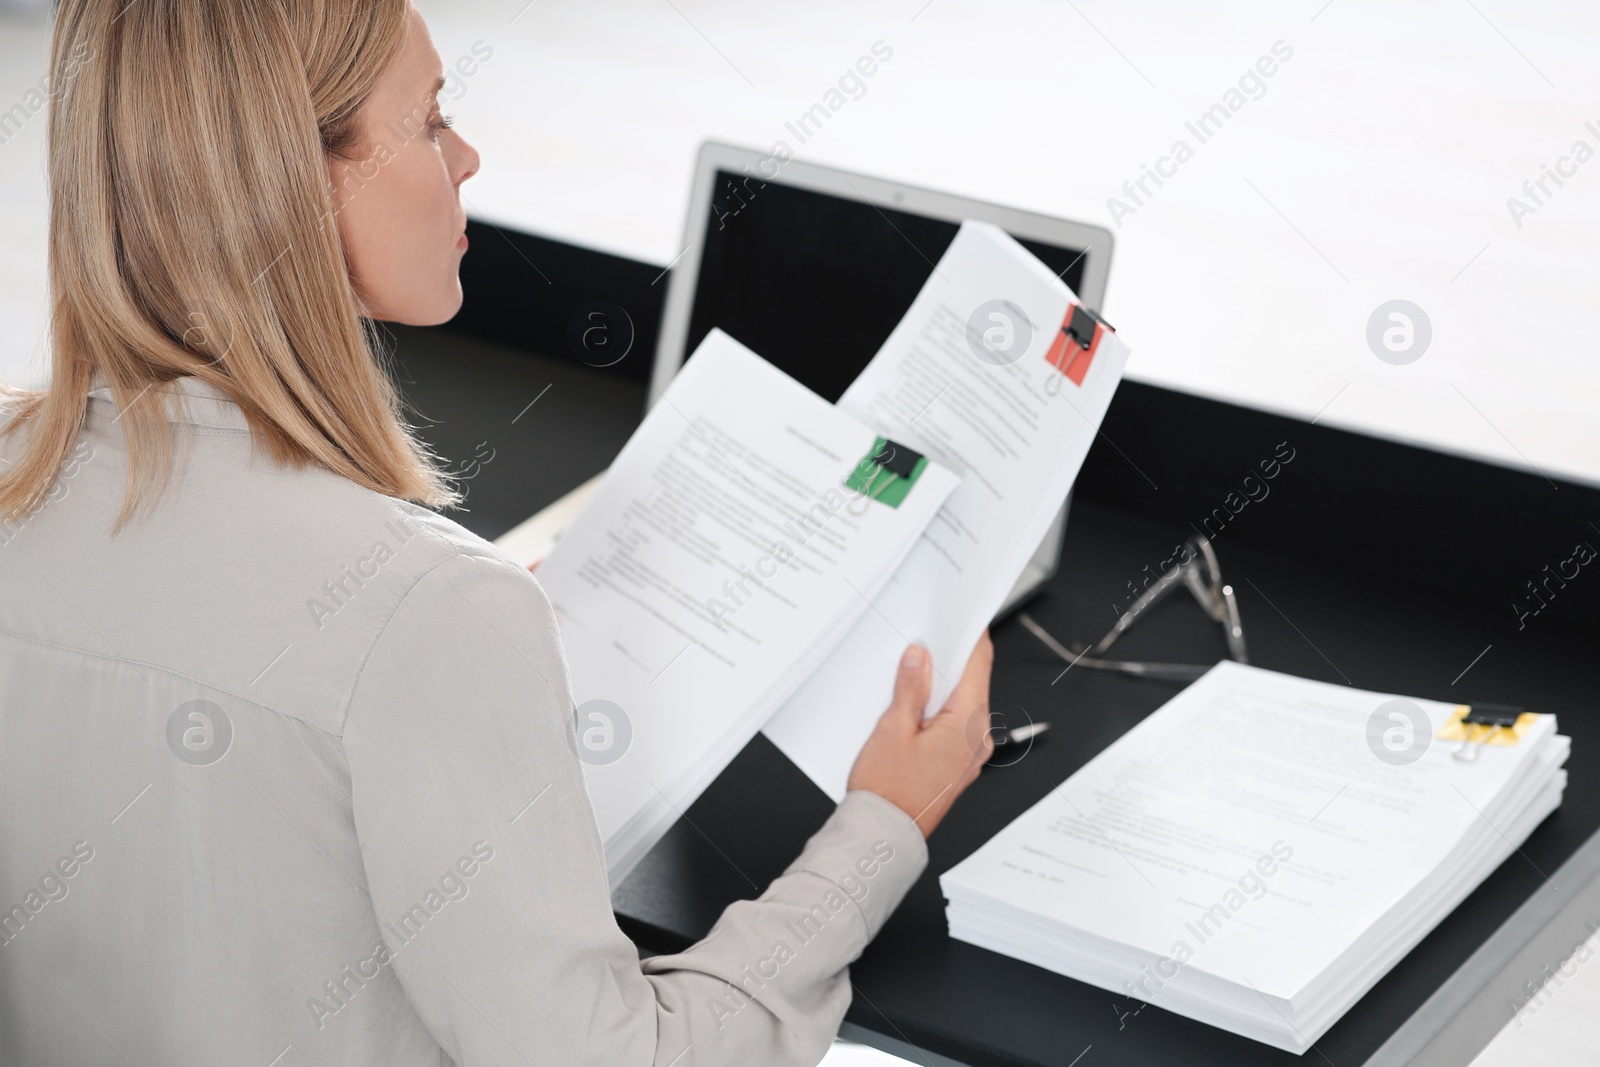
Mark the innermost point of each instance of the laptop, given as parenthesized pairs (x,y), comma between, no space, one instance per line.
(812,267)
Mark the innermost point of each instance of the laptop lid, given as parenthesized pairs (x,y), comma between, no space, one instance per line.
(812,267)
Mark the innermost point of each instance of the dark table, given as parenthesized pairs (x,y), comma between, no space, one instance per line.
(1370,563)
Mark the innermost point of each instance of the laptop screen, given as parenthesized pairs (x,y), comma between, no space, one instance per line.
(816,282)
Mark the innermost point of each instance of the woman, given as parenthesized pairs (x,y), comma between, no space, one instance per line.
(235,831)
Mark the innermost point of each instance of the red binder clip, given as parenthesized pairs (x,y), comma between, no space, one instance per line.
(1076,344)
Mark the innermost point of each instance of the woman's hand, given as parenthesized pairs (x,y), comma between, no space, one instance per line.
(923,766)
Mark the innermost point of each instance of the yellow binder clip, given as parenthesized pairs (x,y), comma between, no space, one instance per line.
(1485,724)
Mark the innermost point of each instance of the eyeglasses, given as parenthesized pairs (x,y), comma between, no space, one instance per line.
(1199,572)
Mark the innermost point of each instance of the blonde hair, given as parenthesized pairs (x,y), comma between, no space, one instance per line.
(192,233)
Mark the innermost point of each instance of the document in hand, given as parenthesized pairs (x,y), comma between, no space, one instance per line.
(719,561)
(981,376)
(1259,852)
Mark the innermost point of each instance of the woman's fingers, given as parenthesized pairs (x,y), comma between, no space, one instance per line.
(913,684)
(972,690)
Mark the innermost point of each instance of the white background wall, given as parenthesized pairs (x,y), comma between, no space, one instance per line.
(1376,166)
(23,203)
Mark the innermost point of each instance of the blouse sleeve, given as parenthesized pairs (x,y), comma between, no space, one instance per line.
(488,880)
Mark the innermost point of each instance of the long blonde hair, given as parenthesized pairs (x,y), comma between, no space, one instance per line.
(192,232)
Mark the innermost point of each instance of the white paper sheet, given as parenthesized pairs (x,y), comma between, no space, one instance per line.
(718,561)
(1014,426)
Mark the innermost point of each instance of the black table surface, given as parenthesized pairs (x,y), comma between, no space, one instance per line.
(1308,613)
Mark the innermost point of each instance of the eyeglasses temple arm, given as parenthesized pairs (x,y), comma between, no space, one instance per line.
(1149,598)
(1233,626)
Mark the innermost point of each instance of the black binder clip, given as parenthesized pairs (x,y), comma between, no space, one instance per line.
(1480,724)
(1073,348)
(1496,715)
(1081,324)
(897,459)
(889,467)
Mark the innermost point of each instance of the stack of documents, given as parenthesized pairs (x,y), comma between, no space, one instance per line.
(719,561)
(756,548)
(1016,426)
(1259,852)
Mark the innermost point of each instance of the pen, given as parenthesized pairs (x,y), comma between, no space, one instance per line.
(1007,743)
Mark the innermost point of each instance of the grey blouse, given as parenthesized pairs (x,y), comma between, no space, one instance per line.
(288,776)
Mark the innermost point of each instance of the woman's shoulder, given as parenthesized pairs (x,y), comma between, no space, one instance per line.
(329,516)
(406,543)
(461,612)
(387,582)
(279,583)
(426,542)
